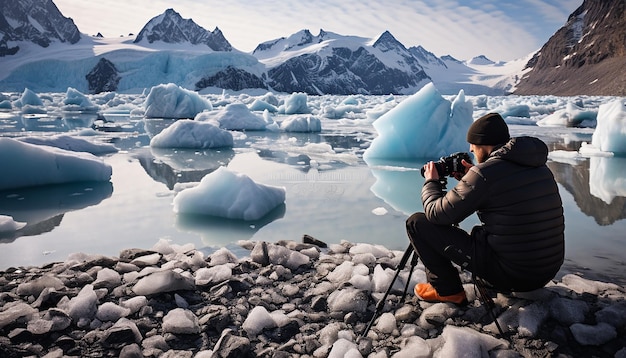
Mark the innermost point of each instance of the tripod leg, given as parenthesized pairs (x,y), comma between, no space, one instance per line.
(488,302)
(381,302)
(408,280)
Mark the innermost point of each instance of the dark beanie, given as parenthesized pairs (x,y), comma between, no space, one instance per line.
(489,129)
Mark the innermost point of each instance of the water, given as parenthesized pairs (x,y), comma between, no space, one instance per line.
(332,196)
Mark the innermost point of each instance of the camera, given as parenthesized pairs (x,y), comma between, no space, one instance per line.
(451,164)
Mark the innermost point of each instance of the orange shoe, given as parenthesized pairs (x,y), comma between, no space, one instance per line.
(427,292)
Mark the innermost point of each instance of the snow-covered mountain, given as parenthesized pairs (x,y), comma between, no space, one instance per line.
(170,27)
(170,49)
(36,21)
(335,64)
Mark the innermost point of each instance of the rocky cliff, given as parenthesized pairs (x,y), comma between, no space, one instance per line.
(586,56)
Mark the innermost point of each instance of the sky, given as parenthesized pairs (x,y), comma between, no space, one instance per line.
(501,30)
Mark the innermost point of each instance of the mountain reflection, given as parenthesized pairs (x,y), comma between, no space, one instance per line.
(42,208)
(582,183)
(171,166)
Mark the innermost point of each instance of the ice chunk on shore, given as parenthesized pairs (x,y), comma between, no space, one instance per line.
(258,319)
(181,321)
(231,195)
(162,281)
(186,133)
(83,307)
(466,342)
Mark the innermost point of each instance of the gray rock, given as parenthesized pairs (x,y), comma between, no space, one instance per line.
(160,282)
(36,286)
(181,321)
(595,335)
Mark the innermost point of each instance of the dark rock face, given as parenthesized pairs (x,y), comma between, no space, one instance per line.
(170,27)
(586,56)
(16,24)
(104,77)
(233,79)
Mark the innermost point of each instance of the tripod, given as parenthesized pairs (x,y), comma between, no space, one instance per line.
(381,303)
(455,256)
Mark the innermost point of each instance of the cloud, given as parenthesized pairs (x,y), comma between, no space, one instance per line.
(501,30)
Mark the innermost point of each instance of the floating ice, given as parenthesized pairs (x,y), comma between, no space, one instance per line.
(424,125)
(172,101)
(186,133)
(28,98)
(570,116)
(67,142)
(76,101)
(224,193)
(234,116)
(260,105)
(305,124)
(7,224)
(32,165)
(610,132)
(295,104)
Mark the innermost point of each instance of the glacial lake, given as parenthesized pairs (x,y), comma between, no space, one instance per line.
(332,195)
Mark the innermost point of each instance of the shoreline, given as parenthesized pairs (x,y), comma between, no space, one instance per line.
(287,299)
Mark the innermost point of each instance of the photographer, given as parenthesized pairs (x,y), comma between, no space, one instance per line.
(520,244)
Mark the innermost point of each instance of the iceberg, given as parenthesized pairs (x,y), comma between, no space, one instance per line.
(186,133)
(33,165)
(424,125)
(231,195)
(172,101)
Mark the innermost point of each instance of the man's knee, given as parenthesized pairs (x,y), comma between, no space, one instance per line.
(413,222)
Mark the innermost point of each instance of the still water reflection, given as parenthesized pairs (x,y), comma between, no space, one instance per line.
(332,197)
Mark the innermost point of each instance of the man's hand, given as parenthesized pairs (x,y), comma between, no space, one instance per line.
(467,165)
(430,171)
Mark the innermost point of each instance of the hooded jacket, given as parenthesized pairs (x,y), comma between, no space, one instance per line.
(517,200)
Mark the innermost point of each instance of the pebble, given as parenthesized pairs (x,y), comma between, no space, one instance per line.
(286,299)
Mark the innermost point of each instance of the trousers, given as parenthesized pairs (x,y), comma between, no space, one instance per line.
(430,240)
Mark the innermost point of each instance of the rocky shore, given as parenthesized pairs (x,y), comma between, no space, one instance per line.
(287,299)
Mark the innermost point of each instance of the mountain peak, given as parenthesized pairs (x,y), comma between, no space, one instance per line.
(170,27)
(387,42)
(39,22)
(480,60)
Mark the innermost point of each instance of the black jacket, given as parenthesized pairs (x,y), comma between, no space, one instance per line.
(517,200)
